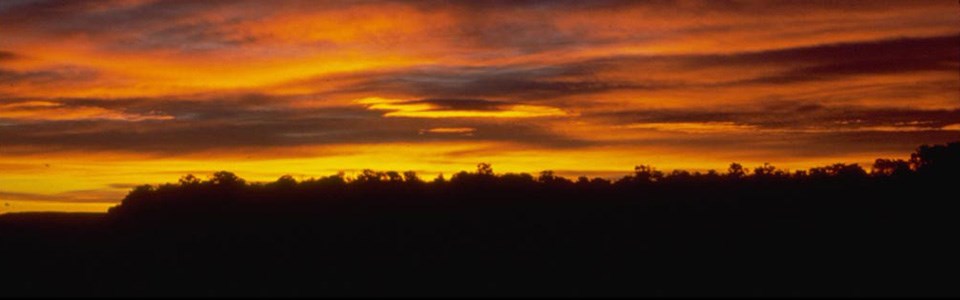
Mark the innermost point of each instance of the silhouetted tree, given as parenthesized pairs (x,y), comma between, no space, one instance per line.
(226,179)
(370,176)
(549,178)
(936,159)
(891,167)
(839,170)
(646,173)
(484,169)
(411,176)
(189,180)
(764,170)
(736,171)
(393,176)
(583,180)
(285,182)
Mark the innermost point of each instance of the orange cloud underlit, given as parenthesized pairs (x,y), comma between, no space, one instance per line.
(396,108)
(456,130)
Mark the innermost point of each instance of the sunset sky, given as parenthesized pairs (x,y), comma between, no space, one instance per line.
(100,96)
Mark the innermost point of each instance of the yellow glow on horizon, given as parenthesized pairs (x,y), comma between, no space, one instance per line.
(14,206)
(99,181)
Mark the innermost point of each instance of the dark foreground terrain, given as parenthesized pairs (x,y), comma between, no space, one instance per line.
(832,231)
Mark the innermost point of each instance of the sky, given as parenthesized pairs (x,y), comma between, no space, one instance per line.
(99,96)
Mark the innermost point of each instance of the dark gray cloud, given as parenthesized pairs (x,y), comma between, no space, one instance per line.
(926,47)
(586,77)
(779,147)
(252,121)
(7,55)
(462,104)
(499,82)
(133,26)
(533,29)
(197,36)
(940,53)
(99,16)
(797,116)
(832,61)
(67,75)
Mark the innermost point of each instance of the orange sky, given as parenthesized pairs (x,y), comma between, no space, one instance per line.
(98,96)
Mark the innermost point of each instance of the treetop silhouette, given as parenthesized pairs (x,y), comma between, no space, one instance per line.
(928,163)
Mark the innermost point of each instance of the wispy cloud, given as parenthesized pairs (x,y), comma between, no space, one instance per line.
(53,111)
(449,130)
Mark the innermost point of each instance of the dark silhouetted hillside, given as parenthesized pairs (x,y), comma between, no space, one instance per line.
(838,230)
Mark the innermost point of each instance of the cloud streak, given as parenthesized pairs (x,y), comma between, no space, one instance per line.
(53,111)
(459,108)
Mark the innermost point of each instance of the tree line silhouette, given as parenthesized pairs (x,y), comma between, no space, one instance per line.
(837,230)
(927,163)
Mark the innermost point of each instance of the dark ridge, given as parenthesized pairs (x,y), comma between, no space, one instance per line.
(837,230)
